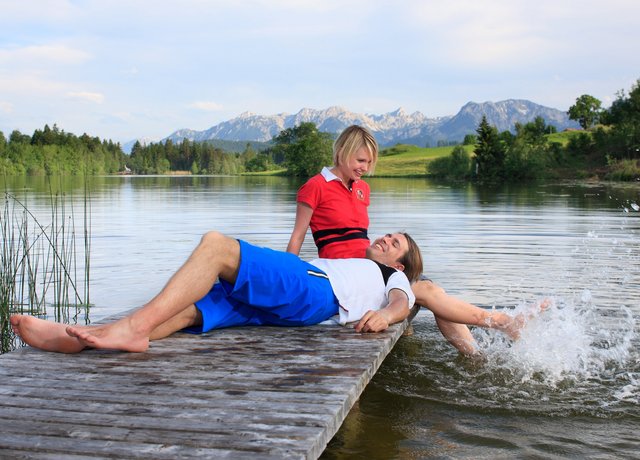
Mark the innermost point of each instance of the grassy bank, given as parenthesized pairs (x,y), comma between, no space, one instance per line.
(411,161)
(404,160)
(401,160)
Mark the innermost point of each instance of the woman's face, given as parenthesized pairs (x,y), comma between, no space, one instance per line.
(356,166)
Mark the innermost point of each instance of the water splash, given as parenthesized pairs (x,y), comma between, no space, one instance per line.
(574,357)
(572,340)
(629,393)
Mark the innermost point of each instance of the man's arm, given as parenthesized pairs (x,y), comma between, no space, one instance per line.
(396,310)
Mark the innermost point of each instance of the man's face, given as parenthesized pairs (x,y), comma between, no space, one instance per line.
(389,249)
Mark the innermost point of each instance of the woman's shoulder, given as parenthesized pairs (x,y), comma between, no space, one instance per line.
(315,181)
(311,191)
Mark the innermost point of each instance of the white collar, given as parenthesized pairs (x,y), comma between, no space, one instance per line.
(328,175)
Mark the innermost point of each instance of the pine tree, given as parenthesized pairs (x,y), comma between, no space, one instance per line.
(489,153)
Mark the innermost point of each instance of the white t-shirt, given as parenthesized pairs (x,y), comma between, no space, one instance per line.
(362,285)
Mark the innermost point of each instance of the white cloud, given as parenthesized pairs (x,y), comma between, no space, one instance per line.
(207,106)
(124,116)
(308,5)
(471,34)
(506,34)
(38,54)
(36,10)
(130,71)
(6,107)
(96,98)
(26,85)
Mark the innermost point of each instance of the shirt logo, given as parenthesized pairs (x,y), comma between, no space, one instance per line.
(360,195)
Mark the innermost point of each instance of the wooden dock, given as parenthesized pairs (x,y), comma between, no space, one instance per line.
(238,393)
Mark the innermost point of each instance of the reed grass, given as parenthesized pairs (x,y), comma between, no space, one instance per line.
(39,263)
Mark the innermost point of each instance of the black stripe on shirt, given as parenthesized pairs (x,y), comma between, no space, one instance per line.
(337,231)
(386,271)
(350,236)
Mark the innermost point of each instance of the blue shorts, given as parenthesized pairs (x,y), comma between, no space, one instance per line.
(272,288)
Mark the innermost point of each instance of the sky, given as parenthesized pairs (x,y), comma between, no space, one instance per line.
(142,69)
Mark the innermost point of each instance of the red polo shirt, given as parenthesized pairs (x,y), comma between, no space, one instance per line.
(340,221)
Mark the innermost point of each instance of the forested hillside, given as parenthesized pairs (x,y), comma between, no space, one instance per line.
(52,151)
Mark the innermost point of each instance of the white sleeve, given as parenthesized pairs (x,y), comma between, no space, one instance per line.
(399,280)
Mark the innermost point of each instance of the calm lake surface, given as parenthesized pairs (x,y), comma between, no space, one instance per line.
(570,388)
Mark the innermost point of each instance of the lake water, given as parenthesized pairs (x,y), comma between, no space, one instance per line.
(569,388)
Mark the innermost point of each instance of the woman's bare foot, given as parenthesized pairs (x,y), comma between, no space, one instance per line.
(116,336)
(45,335)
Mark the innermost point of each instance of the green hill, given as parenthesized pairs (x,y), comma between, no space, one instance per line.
(563,137)
(409,160)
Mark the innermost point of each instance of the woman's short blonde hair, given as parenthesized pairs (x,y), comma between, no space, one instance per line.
(350,141)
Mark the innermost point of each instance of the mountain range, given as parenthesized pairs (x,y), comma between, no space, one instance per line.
(389,128)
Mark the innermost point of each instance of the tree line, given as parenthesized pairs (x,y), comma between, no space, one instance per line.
(51,151)
(299,151)
(609,144)
(195,157)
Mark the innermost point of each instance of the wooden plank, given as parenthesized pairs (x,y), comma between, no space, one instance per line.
(258,392)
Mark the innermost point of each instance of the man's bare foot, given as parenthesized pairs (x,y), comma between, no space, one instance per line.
(115,336)
(512,326)
(45,335)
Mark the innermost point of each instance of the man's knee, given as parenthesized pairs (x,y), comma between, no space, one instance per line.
(223,252)
(219,243)
(213,239)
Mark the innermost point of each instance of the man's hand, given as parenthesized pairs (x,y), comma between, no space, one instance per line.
(396,310)
(372,321)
